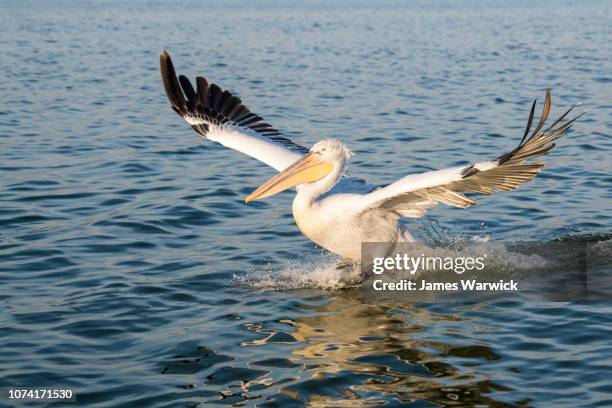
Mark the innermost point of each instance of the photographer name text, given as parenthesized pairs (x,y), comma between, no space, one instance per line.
(464,284)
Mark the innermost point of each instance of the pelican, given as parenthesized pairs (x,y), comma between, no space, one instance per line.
(333,210)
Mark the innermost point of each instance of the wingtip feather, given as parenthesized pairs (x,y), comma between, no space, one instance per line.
(170,82)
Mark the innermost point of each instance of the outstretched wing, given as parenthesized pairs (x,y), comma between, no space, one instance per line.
(219,116)
(412,195)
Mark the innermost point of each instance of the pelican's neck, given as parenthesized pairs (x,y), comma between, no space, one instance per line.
(304,207)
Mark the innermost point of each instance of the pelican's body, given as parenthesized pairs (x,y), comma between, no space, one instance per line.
(331,226)
(338,224)
(339,221)
(334,211)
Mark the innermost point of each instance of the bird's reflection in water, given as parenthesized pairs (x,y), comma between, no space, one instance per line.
(361,354)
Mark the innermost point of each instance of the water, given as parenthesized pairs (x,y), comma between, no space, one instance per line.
(127,255)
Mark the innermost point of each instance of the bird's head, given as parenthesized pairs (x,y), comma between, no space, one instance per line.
(319,169)
(332,150)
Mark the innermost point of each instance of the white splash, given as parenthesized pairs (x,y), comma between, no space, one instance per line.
(321,271)
(318,271)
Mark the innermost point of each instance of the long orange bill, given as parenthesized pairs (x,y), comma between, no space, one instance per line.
(308,169)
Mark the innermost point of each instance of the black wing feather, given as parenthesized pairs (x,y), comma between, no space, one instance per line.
(213,106)
(202,85)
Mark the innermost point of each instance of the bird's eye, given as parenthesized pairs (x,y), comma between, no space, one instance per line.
(323,149)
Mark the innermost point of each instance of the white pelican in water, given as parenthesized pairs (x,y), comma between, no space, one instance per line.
(335,211)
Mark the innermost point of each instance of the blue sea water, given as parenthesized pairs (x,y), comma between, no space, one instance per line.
(123,235)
